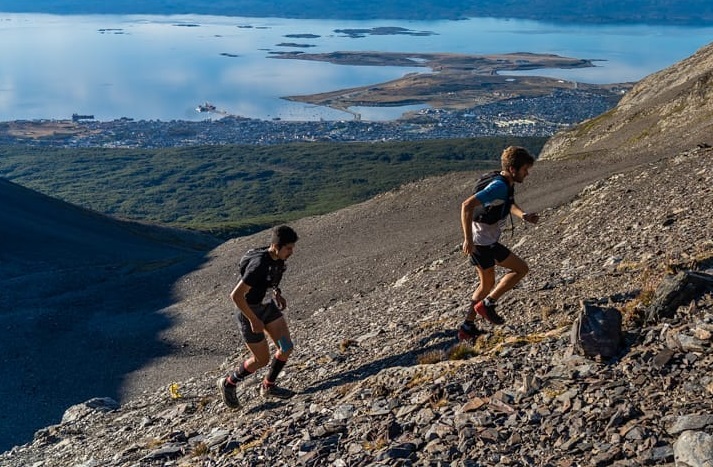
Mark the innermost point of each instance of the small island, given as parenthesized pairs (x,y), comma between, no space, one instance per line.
(456,81)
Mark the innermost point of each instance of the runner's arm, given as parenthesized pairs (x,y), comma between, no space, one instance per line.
(466,222)
(531,217)
(238,297)
(279,299)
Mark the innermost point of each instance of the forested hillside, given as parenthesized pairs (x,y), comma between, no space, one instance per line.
(230,190)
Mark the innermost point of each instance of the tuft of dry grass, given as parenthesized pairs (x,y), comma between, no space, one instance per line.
(153,443)
(633,311)
(487,344)
(546,312)
(200,449)
(345,388)
(434,324)
(344,344)
(375,445)
(462,351)
(438,403)
(254,443)
(419,379)
(498,341)
(431,357)
(552,393)
(704,256)
(248,446)
(629,266)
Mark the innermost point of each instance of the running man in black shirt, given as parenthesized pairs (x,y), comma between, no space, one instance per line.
(261,270)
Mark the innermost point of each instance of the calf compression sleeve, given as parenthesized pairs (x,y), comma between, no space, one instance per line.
(275,368)
(241,373)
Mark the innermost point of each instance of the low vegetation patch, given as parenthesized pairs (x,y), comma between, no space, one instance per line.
(429,358)
(461,351)
(240,189)
(634,311)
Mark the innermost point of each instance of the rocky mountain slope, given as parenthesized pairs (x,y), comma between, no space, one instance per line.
(376,292)
(677,101)
(379,380)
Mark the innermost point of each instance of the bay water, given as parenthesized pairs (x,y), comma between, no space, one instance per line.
(164,67)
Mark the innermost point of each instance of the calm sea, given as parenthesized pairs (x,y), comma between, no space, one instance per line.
(163,67)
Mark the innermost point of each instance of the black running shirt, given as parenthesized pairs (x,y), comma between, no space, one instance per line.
(260,272)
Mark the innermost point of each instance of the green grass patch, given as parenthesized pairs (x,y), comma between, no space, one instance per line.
(239,189)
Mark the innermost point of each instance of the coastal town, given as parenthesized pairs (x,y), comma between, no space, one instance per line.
(463,96)
(523,116)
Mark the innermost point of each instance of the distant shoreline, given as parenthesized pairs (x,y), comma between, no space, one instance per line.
(671,13)
(457,82)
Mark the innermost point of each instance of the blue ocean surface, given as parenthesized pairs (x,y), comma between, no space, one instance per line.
(165,67)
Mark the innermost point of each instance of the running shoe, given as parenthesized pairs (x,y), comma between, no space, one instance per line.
(228,392)
(468,333)
(273,390)
(488,312)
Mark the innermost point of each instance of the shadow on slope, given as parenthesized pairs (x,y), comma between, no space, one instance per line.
(80,304)
(441,340)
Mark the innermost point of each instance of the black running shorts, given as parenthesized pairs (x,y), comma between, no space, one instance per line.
(266,312)
(486,256)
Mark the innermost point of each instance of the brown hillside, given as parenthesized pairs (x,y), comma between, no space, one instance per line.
(376,291)
(393,296)
(664,112)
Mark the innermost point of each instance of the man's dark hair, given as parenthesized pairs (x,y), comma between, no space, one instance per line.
(282,235)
